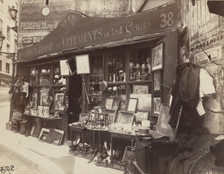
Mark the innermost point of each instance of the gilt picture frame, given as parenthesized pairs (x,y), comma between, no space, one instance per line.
(157,57)
(156,104)
(132,105)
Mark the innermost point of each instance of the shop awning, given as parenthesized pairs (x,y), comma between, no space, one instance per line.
(77,33)
(5,77)
(216,7)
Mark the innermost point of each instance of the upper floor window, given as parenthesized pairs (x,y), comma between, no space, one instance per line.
(8,33)
(7,68)
(15,44)
(0,65)
(1,25)
(8,47)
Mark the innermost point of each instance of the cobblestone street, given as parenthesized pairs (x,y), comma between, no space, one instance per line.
(10,163)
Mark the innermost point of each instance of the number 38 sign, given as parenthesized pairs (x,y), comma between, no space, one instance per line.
(167,19)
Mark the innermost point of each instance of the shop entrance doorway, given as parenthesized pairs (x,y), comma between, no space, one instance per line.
(74,94)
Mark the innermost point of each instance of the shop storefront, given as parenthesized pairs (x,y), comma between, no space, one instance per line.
(102,78)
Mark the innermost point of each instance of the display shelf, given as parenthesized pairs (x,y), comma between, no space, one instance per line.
(116,83)
(95,95)
(58,85)
(140,81)
(46,118)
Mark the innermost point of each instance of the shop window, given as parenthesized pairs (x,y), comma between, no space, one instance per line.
(44,76)
(8,47)
(15,44)
(1,25)
(7,69)
(95,79)
(8,33)
(140,65)
(116,68)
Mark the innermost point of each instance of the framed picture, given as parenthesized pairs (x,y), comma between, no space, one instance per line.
(43,134)
(157,80)
(129,154)
(144,101)
(156,103)
(157,57)
(46,111)
(140,116)
(132,105)
(59,101)
(116,104)
(58,136)
(140,89)
(40,111)
(111,115)
(82,64)
(64,68)
(109,103)
(124,117)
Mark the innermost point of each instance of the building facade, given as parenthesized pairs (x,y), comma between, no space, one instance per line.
(10,42)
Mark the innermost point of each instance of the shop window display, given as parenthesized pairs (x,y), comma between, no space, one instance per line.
(140,65)
(45,81)
(95,80)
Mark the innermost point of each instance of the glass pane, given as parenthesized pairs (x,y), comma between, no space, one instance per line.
(116,68)
(140,65)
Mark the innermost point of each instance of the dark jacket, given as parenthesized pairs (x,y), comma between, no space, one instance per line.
(185,91)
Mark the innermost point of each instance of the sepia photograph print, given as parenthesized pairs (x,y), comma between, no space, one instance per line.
(112,86)
(157,57)
(157,80)
(156,103)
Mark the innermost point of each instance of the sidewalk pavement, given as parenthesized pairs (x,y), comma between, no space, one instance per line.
(48,158)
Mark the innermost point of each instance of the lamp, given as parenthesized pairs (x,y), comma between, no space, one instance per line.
(13,12)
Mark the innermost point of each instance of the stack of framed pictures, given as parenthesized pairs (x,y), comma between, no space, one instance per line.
(157,77)
(54,136)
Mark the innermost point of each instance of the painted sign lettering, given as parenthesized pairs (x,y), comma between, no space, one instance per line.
(92,31)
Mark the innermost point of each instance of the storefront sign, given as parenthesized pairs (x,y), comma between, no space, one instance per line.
(202,58)
(91,31)
(31,40)
(35,15)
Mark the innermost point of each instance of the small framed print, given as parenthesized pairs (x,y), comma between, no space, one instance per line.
(40,111)
(116,104)
(64,68)
(156,103)
(59,101)
(124,117)
(157,81)
(132,105)
(129,154)
(43,134)
(140,89)
(82,64)
(58,137)
(157,57)
(109,103)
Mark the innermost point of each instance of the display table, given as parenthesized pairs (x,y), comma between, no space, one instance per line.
(138,168)
(45,122)
(79,129)
(115,134)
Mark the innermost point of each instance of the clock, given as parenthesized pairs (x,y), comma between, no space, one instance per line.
(45,11)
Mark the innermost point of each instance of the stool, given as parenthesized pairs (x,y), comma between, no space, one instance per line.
(15,125)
